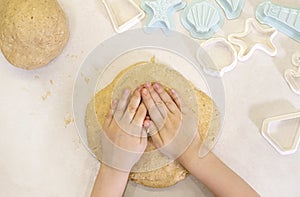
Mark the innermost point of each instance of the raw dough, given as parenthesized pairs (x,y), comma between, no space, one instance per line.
(154,169)
(32,32)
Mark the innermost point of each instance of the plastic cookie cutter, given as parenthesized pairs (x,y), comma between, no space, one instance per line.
(292,77)
(160,13)
(202,18)
(283,132)
(255,37)
(123,14)
(285,19)
(232,8)
(222,53)
(296,59)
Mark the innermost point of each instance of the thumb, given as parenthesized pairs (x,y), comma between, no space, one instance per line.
(152,131)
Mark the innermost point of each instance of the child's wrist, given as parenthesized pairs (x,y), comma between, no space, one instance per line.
(112,171)
(187,158)
(190,158)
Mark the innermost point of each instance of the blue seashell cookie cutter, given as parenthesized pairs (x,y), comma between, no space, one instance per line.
(285,19)
(160,13)
(232,8)
(202,18)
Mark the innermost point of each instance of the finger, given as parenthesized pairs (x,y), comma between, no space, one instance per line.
(160,105)
(133,104)
(175,98)
(122,104)
(166,98)
(146,123)
(154,112)
(179,101)
(144,137)
(152,131)
(110,114)
(140,115)
(151,128)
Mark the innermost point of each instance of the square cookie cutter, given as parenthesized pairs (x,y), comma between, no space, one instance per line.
(281,145)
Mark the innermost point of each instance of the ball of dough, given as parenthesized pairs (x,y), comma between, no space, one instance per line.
(32,32)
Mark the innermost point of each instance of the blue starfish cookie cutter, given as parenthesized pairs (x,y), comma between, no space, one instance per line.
(160,13)
(202,18)
(285,19)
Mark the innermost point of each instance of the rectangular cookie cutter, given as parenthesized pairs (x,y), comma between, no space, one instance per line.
(123,14)
(284,142)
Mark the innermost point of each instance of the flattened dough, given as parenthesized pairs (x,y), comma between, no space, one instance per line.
(32,32)
(154,169)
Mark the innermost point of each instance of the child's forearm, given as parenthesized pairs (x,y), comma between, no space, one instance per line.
(110,182)
(212,172)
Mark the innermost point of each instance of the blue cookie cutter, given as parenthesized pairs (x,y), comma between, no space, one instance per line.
(160,13)
(285,19)
(202,18)
(232,8)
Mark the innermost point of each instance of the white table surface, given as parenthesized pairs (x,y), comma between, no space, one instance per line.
(42,155)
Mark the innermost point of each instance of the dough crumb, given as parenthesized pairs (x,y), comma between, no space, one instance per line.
(46,95)
(152,60)
(36,76)
(74,57)
(86,79)
(68,119)
(51,81)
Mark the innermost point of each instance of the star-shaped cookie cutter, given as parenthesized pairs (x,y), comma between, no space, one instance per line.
(160,13)
(254,37)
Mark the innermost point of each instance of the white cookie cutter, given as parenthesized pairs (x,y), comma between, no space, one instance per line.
(223,62)
(254,37)
(296,59)
(291,76)
(123,14)
(284,136)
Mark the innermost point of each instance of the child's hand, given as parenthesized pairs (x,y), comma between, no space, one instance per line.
(124,139)
(172,126)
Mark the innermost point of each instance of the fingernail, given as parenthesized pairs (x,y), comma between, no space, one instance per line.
(126,92)
(173,91)
(146,124)
(147,84)
(145,91)
(115,101)
(139,88)
(157,86)
(114,104)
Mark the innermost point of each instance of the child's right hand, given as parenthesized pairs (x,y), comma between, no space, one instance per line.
(172,126)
